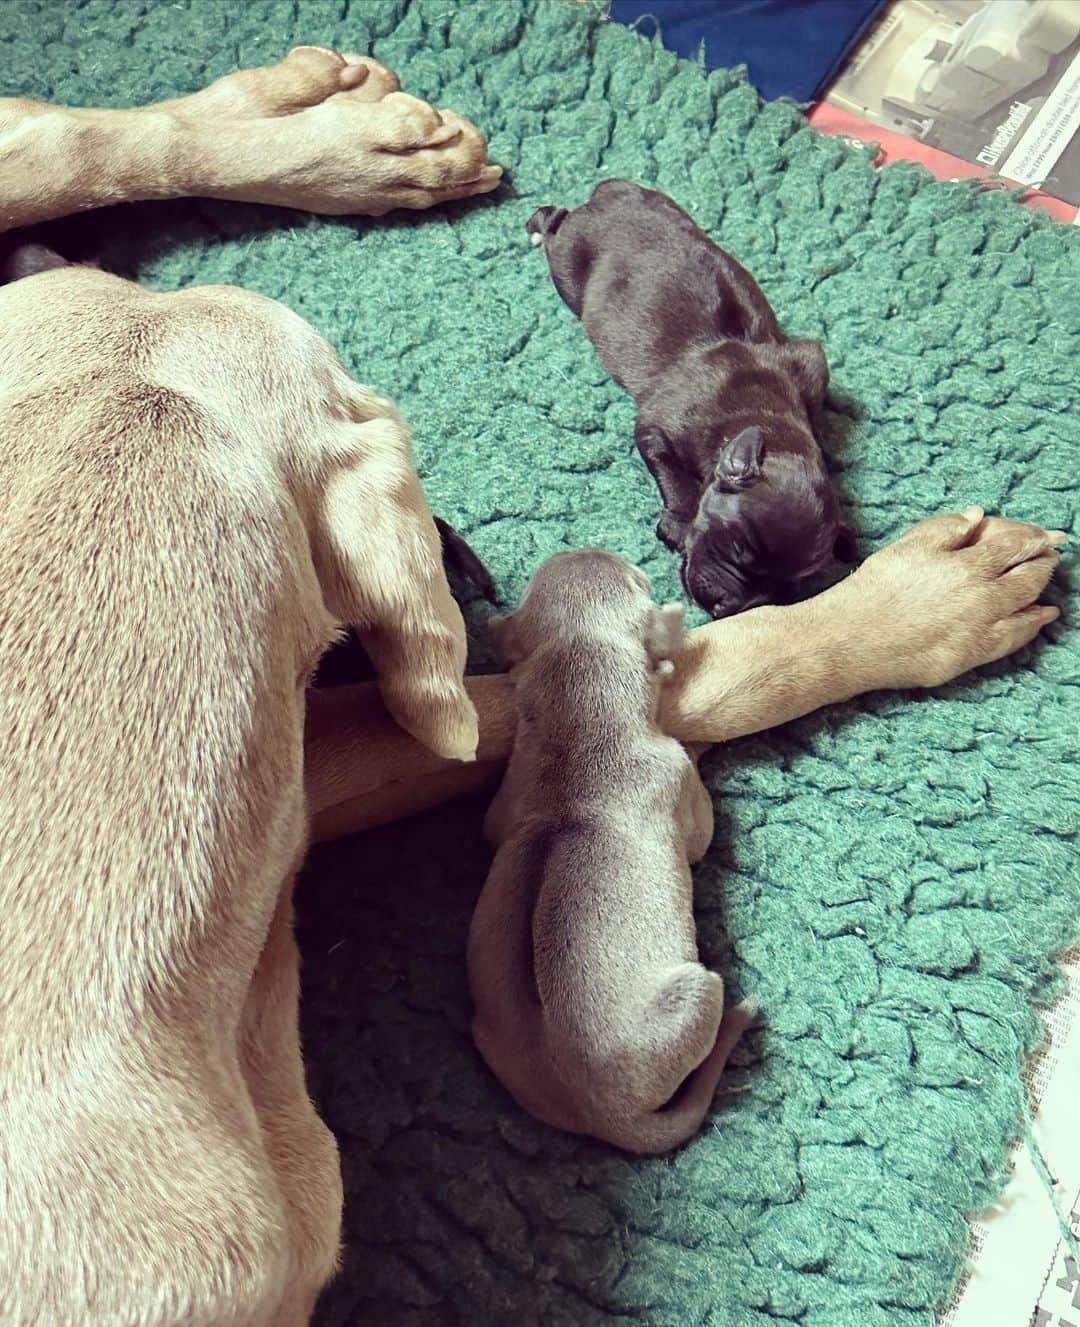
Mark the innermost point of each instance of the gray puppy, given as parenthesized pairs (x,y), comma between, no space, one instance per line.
(591,1005)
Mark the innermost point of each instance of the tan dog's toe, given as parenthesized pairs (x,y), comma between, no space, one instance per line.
(378,82)
(1001,545)
(418,198)
(403,123)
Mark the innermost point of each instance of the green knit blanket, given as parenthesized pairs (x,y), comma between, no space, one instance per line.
(891,877)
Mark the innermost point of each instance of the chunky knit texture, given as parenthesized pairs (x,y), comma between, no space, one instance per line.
(892,877)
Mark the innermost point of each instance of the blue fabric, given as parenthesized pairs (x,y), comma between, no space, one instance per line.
(793,48)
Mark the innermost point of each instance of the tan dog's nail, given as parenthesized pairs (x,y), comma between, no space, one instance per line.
(1058,537)
(973,514)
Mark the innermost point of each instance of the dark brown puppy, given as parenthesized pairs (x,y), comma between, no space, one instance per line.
(727,405)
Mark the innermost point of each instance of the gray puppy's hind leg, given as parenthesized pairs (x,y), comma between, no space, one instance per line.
(696,815)
(501,818)
(679,1119)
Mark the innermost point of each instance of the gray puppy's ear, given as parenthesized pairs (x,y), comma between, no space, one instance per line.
(664,637)
(504,636)
(739,464)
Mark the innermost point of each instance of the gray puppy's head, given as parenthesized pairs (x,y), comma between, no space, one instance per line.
(585,594)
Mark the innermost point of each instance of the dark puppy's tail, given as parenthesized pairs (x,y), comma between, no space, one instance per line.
(461,558)
(546,221)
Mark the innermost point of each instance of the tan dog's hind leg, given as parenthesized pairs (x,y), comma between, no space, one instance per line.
(379,561)
(139,1199)
(320,131)
(301,1148)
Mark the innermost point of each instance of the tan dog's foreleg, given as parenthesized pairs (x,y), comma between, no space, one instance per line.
(362,770)
(301,1148)
(951,594)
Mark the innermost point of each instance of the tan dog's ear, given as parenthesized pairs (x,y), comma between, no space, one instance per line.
(379,562)
(505,638)
(664,637)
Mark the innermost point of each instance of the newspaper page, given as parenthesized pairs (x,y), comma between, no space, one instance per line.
(995,83)
(1023,1271)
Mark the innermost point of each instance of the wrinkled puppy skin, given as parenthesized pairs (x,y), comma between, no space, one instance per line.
(727,405)
(591,1006)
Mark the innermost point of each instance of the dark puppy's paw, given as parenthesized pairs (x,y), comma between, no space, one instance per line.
(671,531)
(846,547)
(460,558)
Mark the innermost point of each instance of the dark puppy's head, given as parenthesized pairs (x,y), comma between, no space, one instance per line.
(764,523)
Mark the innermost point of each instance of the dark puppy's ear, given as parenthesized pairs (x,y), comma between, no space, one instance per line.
(845,549)
(505,639)
(806,362)
(739,464)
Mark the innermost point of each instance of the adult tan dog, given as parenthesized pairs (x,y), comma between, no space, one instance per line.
(189,501)
(195,497)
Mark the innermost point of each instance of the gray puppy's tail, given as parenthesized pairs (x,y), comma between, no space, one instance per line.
(665,1129)
(545,221)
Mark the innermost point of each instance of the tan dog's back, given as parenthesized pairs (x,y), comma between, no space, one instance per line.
(145,664)
(180,517)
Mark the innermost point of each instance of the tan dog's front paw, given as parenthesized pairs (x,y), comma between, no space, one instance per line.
(951,594)
(408,154)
